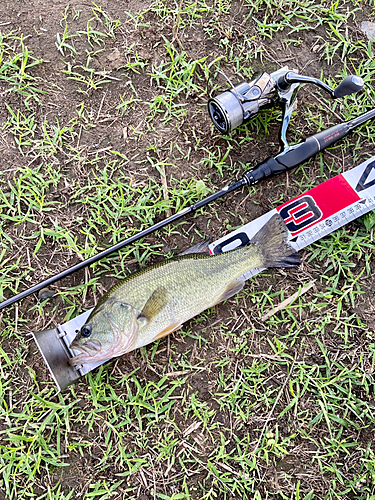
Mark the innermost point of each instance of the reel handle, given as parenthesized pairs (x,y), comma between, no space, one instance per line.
(350,85)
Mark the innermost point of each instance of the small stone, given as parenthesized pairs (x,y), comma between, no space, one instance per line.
(45,293)
(369,28)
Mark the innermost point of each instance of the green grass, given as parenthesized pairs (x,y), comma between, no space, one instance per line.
(16,63)
(105,131)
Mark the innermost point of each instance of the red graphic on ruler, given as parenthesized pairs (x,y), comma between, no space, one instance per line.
(317,204)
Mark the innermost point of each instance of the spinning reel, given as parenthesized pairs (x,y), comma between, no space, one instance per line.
(243,102)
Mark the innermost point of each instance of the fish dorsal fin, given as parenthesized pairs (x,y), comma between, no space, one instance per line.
(156,303)
(232,289)
(202,247)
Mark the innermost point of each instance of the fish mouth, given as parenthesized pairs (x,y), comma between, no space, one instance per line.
(89,352)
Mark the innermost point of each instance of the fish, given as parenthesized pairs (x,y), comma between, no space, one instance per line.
(156,301)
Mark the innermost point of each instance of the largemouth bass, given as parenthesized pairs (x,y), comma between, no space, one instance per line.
(156,301)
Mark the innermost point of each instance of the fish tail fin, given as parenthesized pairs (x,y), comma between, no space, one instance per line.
(271,240)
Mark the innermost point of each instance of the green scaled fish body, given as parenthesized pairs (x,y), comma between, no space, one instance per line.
(154,302)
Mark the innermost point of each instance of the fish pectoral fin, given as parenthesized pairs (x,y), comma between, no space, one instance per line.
(167,331)
(156,303)
(232,289)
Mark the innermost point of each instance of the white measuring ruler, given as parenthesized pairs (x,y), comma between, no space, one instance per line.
(308,217)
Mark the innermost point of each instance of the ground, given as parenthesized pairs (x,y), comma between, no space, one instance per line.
(104,131)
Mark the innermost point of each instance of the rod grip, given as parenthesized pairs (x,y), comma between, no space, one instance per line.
(297,154)
(284,161)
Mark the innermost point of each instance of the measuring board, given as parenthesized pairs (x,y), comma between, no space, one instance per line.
(308,217)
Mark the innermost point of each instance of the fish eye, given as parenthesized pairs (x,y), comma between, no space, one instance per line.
(86,331)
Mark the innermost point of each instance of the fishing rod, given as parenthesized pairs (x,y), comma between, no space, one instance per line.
(230,110)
